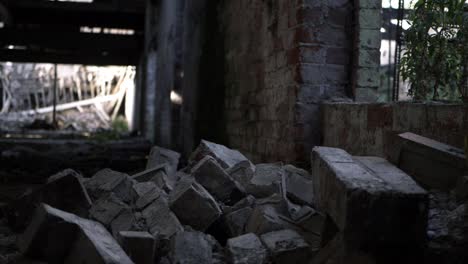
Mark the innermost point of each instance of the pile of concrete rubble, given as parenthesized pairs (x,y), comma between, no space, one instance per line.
(221,208)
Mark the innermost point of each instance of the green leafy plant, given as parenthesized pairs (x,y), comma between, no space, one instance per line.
(434,59)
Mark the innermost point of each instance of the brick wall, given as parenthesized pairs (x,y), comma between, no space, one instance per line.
(366,50)
(368,128)
(282,58)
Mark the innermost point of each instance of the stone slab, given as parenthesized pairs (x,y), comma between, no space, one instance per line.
(433,164)
(365,199)
(56,236)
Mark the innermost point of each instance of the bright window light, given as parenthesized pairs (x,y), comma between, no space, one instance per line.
(110,31)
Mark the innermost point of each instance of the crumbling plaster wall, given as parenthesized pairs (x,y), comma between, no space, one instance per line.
(367,129)
(282,59)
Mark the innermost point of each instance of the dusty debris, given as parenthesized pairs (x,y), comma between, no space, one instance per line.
(201,214)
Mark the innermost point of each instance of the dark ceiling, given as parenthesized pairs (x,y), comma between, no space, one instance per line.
(52,31)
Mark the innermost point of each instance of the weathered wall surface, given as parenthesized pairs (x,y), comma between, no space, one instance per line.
(366,129)
(366,50)
(282,59)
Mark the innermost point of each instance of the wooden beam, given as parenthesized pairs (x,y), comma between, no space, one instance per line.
(84,14)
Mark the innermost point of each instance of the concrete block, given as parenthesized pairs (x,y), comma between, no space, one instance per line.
(265,181)
(193,205)
(95,245)
(139,246)
(56,236)
(141,188)
(106,181)
(365,199)
(242,172)
(214,178)
(246,249)
(369,18)
(147,193)
(125,221)
(370,38)
(265,218)
(106,209)
(148,174)
(431,163)
(160,156)
(286,246)
(299,185)
(191,248)
(64,191)
(237,220)
(248,201)
(226,157)
(160,220)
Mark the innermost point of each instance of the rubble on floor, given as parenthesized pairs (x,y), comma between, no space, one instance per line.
(224,209)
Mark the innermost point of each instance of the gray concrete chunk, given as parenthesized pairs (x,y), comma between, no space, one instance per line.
(246,249)
(286,246)
(159,156)
(265,219)
(193,205)
(139,246)
(125,221)
(160,220)
(214,178)
(106,181)
(106,209)
(299,185)
(368,197)
(237,220)
(265,181)
(226,157)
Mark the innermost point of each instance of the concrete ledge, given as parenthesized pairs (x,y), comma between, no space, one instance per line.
(433,164)
(369,199)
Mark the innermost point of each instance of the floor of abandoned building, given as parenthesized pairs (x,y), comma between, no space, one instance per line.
(446,231)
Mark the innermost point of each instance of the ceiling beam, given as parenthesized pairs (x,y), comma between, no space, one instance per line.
(71,40)
(69,57)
